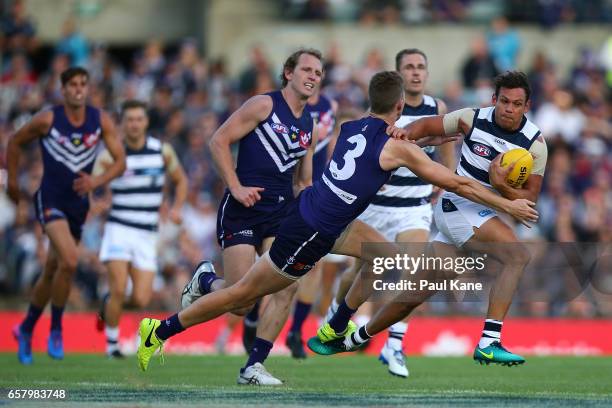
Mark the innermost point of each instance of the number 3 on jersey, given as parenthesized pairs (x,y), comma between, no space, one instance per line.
(349,157)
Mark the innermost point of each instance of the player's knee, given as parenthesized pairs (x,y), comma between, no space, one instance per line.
(68,264)
(516,255)
(117,293)
(243,311)
(243,295)
(141,301)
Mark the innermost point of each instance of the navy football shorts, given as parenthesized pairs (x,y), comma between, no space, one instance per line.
(49,208)
(237,224)
(298,246)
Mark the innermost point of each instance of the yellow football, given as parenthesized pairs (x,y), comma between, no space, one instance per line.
(522,169)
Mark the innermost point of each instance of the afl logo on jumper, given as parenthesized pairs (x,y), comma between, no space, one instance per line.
(280,128)
(481,150)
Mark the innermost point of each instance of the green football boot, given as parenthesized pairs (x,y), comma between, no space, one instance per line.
(496,353)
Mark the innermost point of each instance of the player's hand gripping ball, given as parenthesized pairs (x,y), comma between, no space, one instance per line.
(522,168)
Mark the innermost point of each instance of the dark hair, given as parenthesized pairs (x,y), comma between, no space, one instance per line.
(132,104)
(512,80)
(407,51)
(386,88)
(292,61)
(71,72)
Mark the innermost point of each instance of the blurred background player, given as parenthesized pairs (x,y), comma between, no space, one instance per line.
(402,210)
(129,244)
(276,136)
(69,135)
(323,111)
(489,132)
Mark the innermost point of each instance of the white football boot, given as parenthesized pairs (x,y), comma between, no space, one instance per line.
(191,291)
(257,375)
(394,360)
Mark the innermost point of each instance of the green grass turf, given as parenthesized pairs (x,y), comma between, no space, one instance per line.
(357,380)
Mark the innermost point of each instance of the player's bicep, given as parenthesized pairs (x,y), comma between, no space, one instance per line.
(539,152)
(111,139)
(172,164)
(459,121)
(37,127)
(245,119)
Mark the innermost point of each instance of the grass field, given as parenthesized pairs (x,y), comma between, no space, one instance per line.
(92,380)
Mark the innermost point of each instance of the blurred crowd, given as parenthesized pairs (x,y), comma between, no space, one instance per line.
(546,13)
(189,95)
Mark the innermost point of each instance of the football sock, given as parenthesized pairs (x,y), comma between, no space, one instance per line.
(490,333)
(253,316)
(396,335)
(112,338)
(331,310)
(259,352)
(31,318)
(357,338)
(300,313)
(56,317)
(206,280)
(169,328)
(341,318)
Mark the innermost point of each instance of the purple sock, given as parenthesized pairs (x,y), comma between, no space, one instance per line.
(206,280)
(169,327)
(259,352)
(299,316)
(253,315)
(34,312)
(340,320)
(56,317)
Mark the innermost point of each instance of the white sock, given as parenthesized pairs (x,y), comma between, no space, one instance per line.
(112,338)
(396,335)
(331,310)
(490,333)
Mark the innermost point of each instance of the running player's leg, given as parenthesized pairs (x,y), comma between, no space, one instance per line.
(261,279)
(65,245)
(392,353)
(331,267)
(306,295)
(405,303)
(476,228)
(514,257)
(143,270)
(113,304)
(272,319)
(349,243)
(346,281)
(41,293)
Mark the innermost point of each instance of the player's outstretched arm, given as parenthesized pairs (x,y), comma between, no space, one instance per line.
(37,127)
(237,126)
(179,179)
(87,183)
(397,153)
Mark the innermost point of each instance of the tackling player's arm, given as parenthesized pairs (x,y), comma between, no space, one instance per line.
(237,126)
(446,151)
(435,130)
(37,127)
(398,153)
(530,190)
(86,183)
(178,177)
(302,177)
